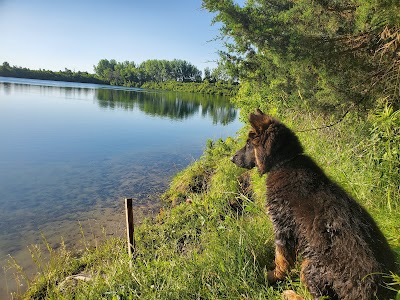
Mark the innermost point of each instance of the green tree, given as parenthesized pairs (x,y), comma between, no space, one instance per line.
(153,69)
(221,73)
(207,74)
(184,71)
(334,54)
(6,66)
(105,69)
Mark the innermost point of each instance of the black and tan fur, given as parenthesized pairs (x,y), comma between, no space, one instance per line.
(343,252)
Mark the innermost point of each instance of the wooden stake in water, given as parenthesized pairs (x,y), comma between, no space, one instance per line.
(129,226)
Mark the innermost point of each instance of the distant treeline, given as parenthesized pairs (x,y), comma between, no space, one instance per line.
(67,75)
(128,73)
(175,75)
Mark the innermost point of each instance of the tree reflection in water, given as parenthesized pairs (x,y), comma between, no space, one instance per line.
(176,106)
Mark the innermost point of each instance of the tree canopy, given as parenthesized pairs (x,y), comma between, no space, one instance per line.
(153,70)
(332,54)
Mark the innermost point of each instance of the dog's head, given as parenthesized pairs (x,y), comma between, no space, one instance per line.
(269,143)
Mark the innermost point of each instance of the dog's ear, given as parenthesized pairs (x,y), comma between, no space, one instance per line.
(259,121)
(259,112)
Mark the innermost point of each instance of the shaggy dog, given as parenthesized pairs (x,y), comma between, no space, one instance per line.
(343,252)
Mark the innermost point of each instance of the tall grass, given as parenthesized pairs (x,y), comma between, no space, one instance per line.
(213,239)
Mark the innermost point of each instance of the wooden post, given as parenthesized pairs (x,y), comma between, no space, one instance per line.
(129,226)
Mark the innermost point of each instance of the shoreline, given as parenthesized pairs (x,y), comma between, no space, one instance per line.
(88,231)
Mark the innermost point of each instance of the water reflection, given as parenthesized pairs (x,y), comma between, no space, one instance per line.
(172,105)
(176,106)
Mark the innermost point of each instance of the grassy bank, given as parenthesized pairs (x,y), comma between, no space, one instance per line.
(213,239)
(205,87)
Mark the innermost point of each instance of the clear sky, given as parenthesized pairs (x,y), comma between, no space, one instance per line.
(76,34)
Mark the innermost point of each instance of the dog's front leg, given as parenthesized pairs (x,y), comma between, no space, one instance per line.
(284,260)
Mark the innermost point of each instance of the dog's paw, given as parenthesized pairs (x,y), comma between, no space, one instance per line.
(271,277)
(291,295)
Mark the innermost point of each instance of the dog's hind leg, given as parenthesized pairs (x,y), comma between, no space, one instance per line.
(313,277)
(284,260)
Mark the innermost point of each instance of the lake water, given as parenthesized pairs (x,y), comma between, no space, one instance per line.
(72,152)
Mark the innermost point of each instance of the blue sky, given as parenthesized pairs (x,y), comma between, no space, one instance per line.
(76,34)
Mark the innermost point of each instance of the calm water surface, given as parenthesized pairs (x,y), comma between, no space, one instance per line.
(72,152)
